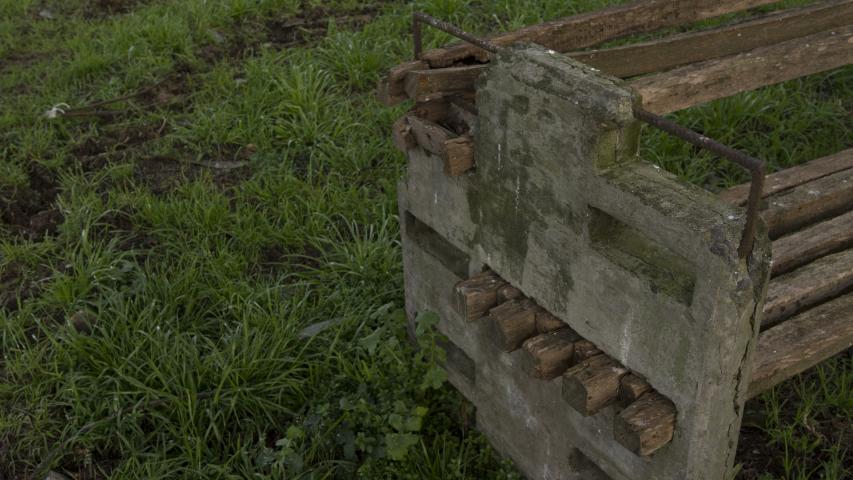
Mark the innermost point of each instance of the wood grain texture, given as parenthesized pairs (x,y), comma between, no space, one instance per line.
(428,85)
(793,176)
(476,295)
(430,135)
(799,248)
(592,384)
(646,425)
(808,285)
(545,322)
(802,342)
(677,50)
(588,29)
(584,350)
(511,323)
(548,355)
(392,88)
(705,81)
(631,388)
(809,203)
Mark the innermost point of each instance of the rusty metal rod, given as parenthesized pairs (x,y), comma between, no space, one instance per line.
(420,17)
(756,167)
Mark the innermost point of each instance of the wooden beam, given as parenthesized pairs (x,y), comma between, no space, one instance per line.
(548,355)
(476,295)
(808,285)
(809,203)
(545,322)
(392,88)
(588,29)
(793,176)
(677,50)
(799,248)
(705,81)
(592,384)
(584,350)
(508,292)
(646,425)
(802,342)
(511,323)
(631,388)
(428,85)
(456,152)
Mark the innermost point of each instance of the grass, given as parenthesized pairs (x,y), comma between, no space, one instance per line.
(208,283)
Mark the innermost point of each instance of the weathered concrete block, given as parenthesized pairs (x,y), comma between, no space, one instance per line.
(635,261)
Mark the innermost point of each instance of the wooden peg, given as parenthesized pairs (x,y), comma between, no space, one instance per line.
(547,355)
(646,425)
(511,323)
(476,295)
(592,384)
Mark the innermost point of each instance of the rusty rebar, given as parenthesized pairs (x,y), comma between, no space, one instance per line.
(420,17)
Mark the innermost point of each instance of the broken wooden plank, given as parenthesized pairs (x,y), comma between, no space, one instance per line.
(809,203)
(793,176)
(802,342)
(592,28)
(631,388)
(677,50)
(705,81)
(511,323)
(477,295)
(428,85)
(808,285)
(799,248)
(548,355)
(458,155)
(592,384)
(545,322)
(646,425)
(392,87)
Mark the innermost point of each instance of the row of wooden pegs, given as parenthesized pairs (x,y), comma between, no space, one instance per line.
(591,380)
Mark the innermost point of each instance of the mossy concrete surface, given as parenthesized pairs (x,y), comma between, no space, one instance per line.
(643,265)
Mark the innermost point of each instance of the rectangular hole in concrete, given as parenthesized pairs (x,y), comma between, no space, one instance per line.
(664,271)
(458,361)
(440,248)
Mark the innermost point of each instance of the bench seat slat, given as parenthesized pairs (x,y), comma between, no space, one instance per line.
(809,203)
(815,282)
(793,176)
(802,342)
(799,248)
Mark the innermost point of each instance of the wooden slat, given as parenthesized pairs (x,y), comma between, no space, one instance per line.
(592,384)
(427,85)
(660,55)
(476,295)
(548,355)
(809,203)
(799,248)
(793,176)
(802,342)
(646,425)
(808,285)
(588,29)
(705,81)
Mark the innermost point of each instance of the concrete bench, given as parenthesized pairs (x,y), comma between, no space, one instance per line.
(597,310)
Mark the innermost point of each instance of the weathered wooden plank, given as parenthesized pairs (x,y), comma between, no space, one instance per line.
(545,322)
(659,55)
(793,176)
(508,292)
(799,248)
(809,203)
(631,388)
(430,135)
(392,88)
(705,81)
(476,295)
(427,85)
(802,342)
(588,29)
(646,425)
(456,152)
(401,133)
(592,384)
(584,350)
(548,355)
(808,285)
(511,323)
